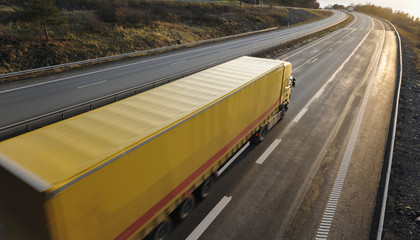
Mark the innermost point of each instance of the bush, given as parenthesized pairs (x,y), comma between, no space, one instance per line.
(125,15)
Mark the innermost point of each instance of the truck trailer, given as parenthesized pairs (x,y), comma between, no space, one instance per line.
(127,169)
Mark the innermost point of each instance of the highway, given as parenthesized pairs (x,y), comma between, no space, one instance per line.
(24,100)
(316,174)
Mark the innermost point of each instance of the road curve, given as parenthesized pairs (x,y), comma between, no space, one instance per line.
(28,99)
(321,177)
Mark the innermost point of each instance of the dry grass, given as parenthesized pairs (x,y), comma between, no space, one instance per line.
(407,26)
(110,28)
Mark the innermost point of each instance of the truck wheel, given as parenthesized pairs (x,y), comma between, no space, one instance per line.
(284,110)
(185,208)
(162,231)
(204,189)
(282,113)
(259,136)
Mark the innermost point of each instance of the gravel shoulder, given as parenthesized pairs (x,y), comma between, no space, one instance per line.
(402,217)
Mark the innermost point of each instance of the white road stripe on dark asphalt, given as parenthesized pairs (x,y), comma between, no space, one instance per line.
(318,94)
(209,219)
(267,152)
(348,58)
(300,115)
(88,85)
(334,197)
(178,62)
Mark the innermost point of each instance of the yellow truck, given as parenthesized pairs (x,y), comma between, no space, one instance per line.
(123,171)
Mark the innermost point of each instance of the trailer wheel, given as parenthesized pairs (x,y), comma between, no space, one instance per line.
(161,232)
(259,136)
(204,189)
(185,208)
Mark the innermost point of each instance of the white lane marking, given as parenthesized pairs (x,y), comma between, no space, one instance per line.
(112,68)
(300,115)
(178,62)
(314,60)
(318,54)
(327,217)
(318,94)
(88,85)
(232,159)
(102,70)
(317,43)
(348,59)
(209,219)
(268,151)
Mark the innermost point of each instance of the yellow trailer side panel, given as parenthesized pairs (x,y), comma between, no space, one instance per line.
(114,169)
(138,181)
(64,150)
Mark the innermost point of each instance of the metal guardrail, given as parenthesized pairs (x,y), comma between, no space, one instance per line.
(49,118)
(55,116)
(394,128)
(65,66)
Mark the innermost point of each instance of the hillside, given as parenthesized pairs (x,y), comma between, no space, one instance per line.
(86,29)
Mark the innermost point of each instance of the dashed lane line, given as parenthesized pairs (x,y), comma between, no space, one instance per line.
(174,63)
(319,93)
(329,212)
(300,115)
(267,152)
(91,84)
(205,223)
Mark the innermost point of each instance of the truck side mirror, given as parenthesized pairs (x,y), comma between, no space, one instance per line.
(293,82)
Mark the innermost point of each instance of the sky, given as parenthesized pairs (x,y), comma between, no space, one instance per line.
(411,7)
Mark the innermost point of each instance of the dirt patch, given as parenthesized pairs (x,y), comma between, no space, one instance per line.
(403,207)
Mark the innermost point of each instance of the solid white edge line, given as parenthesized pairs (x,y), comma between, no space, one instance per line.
(268,151)
(102,70)
(205,223)
(391,151)
(318,54)
(348,59)
(300,115)
(338,183)
(331,35)
(232,159)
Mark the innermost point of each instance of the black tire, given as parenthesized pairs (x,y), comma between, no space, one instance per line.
(282,113)
(204,189)
(162,231)
(260,135)
(185,208)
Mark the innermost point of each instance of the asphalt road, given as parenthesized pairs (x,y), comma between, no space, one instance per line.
(27,99)
(321,178)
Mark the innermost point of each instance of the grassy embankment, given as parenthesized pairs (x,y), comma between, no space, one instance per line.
(407,26)
(96,28)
